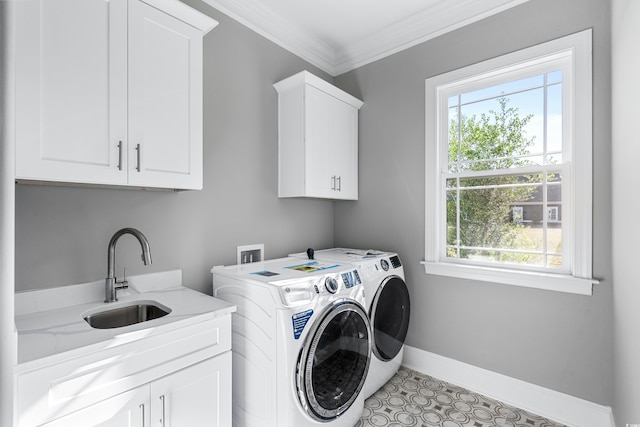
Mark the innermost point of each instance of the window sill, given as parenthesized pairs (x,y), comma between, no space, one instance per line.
(547,281)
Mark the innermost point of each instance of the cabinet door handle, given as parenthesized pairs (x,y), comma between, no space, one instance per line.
(119,155)
(141,406)
(333,183)
(163,414)
(339,183)
(138,157)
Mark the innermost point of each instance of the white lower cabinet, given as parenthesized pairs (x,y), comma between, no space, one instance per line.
(179,378)
(195,396)
(130,409)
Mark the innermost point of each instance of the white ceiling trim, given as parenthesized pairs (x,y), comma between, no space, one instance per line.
(254,15)
(438,19)
(435,20)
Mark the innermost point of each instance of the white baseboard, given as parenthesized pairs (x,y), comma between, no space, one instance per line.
(551,404)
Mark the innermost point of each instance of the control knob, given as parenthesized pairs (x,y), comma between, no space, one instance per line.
(331,284)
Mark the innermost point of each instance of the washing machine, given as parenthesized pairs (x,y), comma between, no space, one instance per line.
(301,342)
(388,306)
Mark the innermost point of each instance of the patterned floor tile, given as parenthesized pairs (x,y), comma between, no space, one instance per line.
(414,399)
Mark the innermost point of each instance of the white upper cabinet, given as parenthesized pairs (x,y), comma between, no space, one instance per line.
(110,92)
(71,89)
(165,100)
(317,139)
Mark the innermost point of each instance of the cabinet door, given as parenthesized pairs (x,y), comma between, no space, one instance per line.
(195,396)
(318,156)
(331,132)
(71,90)
(343,143)
(130,409)
(165,100)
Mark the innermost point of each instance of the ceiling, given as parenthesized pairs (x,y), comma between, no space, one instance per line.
(340,35)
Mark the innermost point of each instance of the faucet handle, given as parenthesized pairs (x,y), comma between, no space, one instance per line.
(120,286)
(124,283)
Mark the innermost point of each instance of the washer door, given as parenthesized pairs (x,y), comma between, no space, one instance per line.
(390,317)
(334,360)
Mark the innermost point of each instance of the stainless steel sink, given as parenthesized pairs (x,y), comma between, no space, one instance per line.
(126,314)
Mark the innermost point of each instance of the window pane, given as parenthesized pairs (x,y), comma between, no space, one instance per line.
(554,122)
(503,89)
(453,135)
(506,219)
(507,130)
(452,218)
(554,76)
(530,108)
(555,261)
(499,133)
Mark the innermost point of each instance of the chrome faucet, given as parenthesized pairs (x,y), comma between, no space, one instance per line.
(110,282)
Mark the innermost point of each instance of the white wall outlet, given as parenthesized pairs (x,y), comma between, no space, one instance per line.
(250,253)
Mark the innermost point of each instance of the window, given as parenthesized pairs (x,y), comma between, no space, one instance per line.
(508,182)
(517,214)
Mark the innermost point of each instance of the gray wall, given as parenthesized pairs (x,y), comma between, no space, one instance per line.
(626,228)
(62,233)
(552,339)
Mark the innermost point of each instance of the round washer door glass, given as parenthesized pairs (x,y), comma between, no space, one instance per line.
(390,311)
(334,361)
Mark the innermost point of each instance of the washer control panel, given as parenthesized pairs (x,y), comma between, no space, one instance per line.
(351,278)
(335,283)
(331,285)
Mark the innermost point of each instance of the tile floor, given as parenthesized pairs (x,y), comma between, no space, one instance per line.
(414,399)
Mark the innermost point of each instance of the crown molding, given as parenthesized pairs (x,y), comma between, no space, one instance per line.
(437,19)
(254,15)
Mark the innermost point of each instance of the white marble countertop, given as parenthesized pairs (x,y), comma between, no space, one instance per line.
(51,326)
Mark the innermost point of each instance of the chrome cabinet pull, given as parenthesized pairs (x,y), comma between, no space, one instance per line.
(333,183)
(339,183)
(141,406)
(119,155)
(163,414)
(138,157)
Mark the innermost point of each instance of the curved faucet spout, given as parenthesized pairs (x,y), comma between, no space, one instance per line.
(110,288)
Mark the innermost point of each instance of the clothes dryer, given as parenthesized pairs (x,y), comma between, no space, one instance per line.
(388,306)
(301,342)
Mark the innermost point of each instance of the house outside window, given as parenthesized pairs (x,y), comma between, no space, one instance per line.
(509,168)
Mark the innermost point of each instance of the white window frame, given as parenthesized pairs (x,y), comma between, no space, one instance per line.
(577,131)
